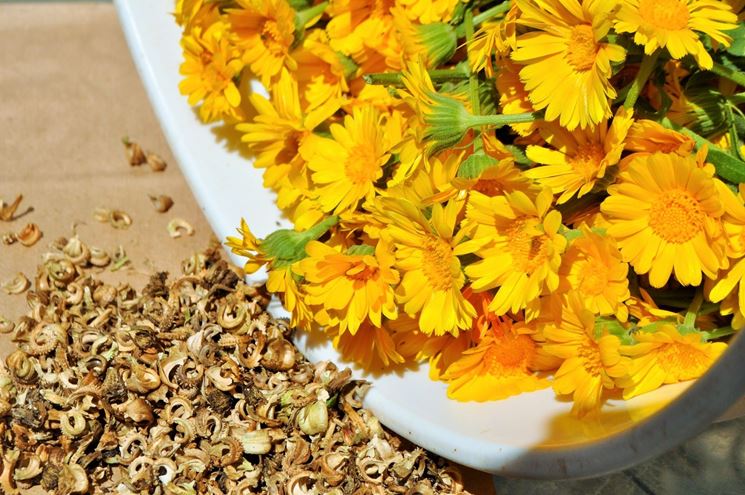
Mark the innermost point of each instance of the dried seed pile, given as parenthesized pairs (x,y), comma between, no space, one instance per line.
(188,387)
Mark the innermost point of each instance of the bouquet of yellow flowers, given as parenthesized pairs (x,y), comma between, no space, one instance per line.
(526,193)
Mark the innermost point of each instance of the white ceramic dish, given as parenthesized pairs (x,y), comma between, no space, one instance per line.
(531,435)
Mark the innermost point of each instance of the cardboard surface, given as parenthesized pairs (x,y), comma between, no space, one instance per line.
(70,93)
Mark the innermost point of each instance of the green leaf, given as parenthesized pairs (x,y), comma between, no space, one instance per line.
(475,165)
(737,48)
(361,250)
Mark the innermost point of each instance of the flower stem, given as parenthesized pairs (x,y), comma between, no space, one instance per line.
(473,89)
(498,120)
(396,78)
(728,73)
(484,16)
(645,69)
(303,17)
(689,323)
(719,333)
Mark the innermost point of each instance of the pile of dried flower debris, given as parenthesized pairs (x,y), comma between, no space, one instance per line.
(188,387)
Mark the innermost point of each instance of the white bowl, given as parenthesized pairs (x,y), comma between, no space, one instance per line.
(531,435)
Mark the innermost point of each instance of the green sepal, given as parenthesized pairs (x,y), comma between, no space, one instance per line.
(612,326)
(475,165)
(287,246)
(439,40)
(360,250)
(737,48)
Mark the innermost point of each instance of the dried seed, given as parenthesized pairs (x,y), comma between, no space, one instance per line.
(9,238)
(162,203)
(16,285)
(101,214)
(7,211)
(179,227)
(29,235)
(157,164)
(135,155)
(119,219)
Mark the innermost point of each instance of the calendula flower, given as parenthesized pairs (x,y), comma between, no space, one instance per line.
(344,168)
(371,346)
(519,245)
(497,368)
(665,356)
(592,268)
(265,29)
(195,13)
(730,282)
(493,38)
(248,246)
(647,136)
(348,288)
(426,256)
(578,158)
(664,212)
(428,11)
(434,43)
(591,364)
(276,134)
(566,66)
(211,62)
(321,71)
(513,97)
(646,310)
(673,24)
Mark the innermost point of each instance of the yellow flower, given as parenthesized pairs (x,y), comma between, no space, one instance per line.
(265,29)
(592,268)
(320,72)
(501,365)
(648,136)
(345,168)
(666,356)
(249,247)
(580,157)
(349,288)
(493,38)
(276,135)
(426,255)
(193,13)
(729,283)
(428,11)
(671,24)
(513,97)
(590,364)
(665,215)
(646,311)
(371,346)
(566,67)
(210,64)
(518,241)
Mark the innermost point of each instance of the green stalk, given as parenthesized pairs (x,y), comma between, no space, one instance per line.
(645,69)
(502,120)
(736,99)
(473,90)
(689,323)
(304,16)
(396,78)
(719,333)
(727,73)
(484,16)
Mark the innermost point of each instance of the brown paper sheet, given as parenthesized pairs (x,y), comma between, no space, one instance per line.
(70,93)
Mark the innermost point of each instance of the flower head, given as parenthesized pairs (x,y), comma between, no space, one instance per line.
(426,256)
(371,346)
(566,66)
(346,167)
(665,215)
(211,62)
(265,29)
(501,365)
(580,157)
(348,289)
(666,356)
(672,24)
(519,245)
(591,363)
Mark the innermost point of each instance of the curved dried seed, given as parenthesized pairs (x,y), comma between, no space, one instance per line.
(29,235)
(16,285)
(157,164)
(179,227)
(162,203)
(119,219)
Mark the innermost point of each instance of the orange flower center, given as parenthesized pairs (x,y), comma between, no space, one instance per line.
(489,187)
(274,39)
(437,263)
(586,162)
(362,271)
(593,278)
(529,251)
(682,361)
(509,353)
(676,216)
(361,166)
(590,356)
(670,15)
(582,48)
